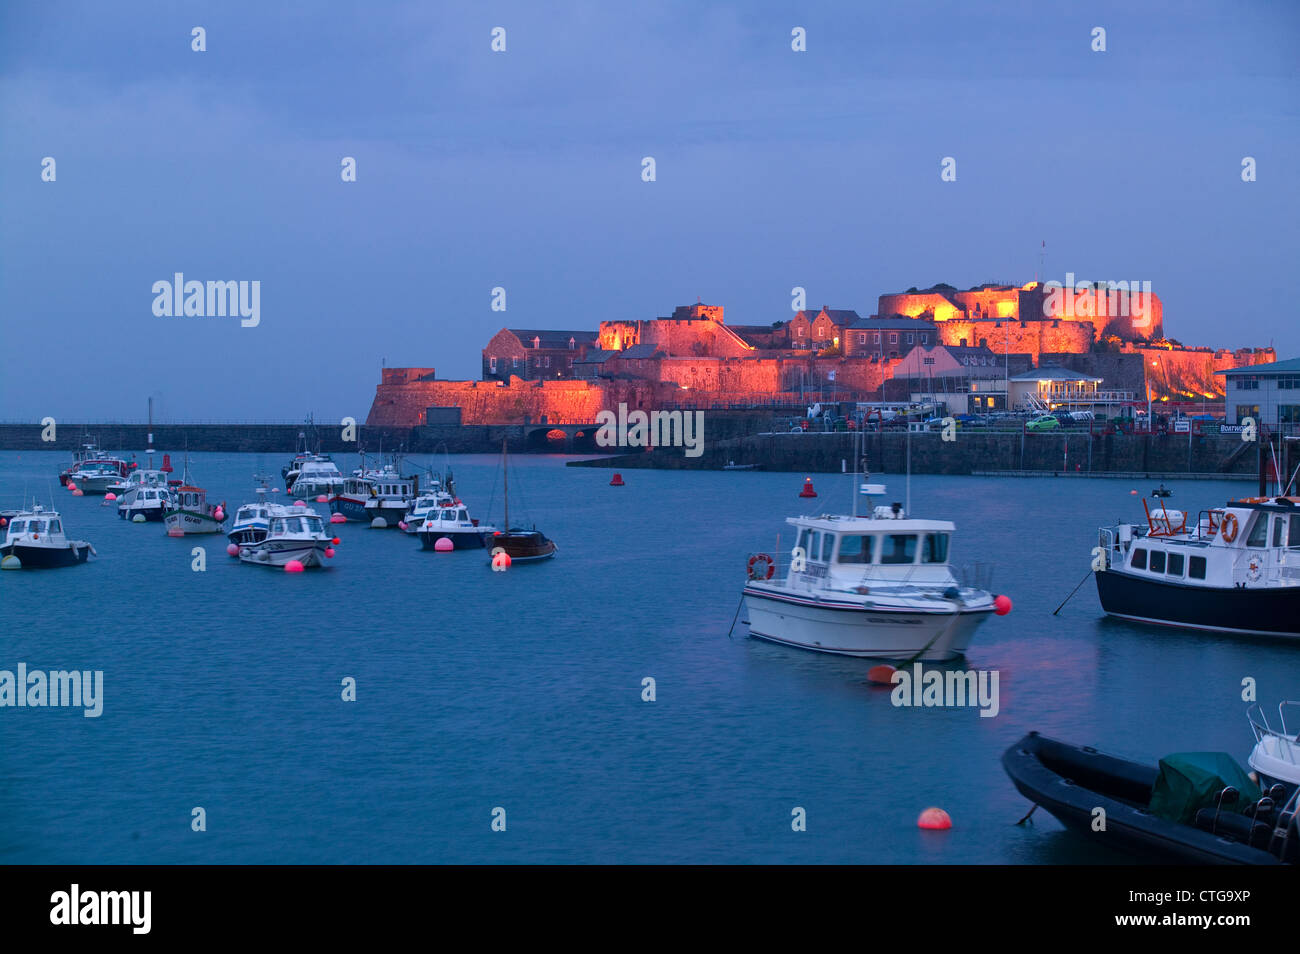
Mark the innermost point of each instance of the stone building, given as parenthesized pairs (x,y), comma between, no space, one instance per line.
(534,354)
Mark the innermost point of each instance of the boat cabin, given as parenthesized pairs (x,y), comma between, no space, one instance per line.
(885,545)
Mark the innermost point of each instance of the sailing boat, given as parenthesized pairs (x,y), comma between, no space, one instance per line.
(527,546)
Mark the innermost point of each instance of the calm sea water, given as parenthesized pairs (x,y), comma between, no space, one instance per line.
(522,690)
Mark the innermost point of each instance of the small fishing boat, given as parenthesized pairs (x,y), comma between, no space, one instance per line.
(294,533)
(148,496)
(1234,569)
(35,539)
(522,545)
(253,520)
(390,498)
(1193,808)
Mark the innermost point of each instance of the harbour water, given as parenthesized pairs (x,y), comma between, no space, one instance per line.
(522,690)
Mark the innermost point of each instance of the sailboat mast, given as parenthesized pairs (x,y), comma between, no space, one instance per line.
(505,467)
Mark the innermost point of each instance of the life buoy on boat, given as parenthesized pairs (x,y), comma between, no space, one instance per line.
(1229,527)
(1254,570)
(764,560)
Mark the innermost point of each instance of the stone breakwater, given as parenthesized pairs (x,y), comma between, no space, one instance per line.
(1067,453)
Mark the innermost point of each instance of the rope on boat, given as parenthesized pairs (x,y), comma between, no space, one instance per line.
(737,616)
(1072,592)
(1027,814)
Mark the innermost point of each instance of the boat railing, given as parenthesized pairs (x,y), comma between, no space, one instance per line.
(1288,750)
(976,576)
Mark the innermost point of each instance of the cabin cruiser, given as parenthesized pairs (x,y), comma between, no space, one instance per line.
(294,533)
(359,488)
(252,520)
(874,586)
(35,539)
(147,495)
(96,477)
(314,476)
(1234,569)
(450,519)
(390,498)
(90,454)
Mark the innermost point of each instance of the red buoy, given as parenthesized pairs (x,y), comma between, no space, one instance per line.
(1002,605)
(617,481)
(335,541)
(329,552)
(882,675)
(166,468)
(293,566)
(232,550)
(934,819)
(807,488)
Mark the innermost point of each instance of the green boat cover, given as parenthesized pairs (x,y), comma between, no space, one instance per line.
(1190,781)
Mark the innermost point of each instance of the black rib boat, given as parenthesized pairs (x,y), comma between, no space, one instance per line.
(1072,781)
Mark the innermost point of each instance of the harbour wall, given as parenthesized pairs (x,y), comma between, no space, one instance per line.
(971,453)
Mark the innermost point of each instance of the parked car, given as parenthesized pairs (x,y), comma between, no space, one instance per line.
(1044,422)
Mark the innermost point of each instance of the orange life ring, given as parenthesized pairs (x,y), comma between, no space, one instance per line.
(1229,527)
(771,567)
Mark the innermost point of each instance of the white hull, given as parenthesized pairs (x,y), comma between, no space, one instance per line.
(280,552)
(190,522)
(869,633)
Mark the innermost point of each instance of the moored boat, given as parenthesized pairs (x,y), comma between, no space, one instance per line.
(35,539)
(294,534)
(1234,569)
(520,544)
(878,586)
(314,476)
(253,520)
(147,497)
(1193,808)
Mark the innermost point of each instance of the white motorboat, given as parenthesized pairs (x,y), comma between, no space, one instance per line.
(390,498)
(315,476)
(1276,756)
(35,539)
(96,476)
(252,520)
(147,496)
(874,586)
(295,533)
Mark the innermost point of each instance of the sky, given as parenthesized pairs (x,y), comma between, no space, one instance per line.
(522,169)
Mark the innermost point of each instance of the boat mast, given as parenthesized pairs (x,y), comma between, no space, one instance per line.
(505,468)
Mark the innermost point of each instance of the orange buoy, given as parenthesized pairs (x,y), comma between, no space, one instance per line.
(807,488)
(1132,493)
(934,819)
(882,675)
(617,481)
(1002,605)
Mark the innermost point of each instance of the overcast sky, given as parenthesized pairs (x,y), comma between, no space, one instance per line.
(523,169)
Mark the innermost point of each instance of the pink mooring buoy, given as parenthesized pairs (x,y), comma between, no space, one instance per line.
(321,498)
(300,503)
(293,566)
(444,545)
(1002,605)
(338,518)
(233,549)
(329,552)
(934,819)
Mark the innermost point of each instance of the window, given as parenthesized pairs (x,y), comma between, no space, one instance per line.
(909,337)
(893,337)
(1279,531)
(856,549)
(462,514)
(925,339)
(492,365)
(1196,568)
(814,545)
(862,338)
(1294,540)
(1259,531)
(1247,410)
(875,337)
(17,527)
(898,548)
(1157,561)
(1248,382)
(1288,413)
(548,360)
(572,344)
(1175,564)
(1288,383)
(514,362)
(936,548)
(927,360)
